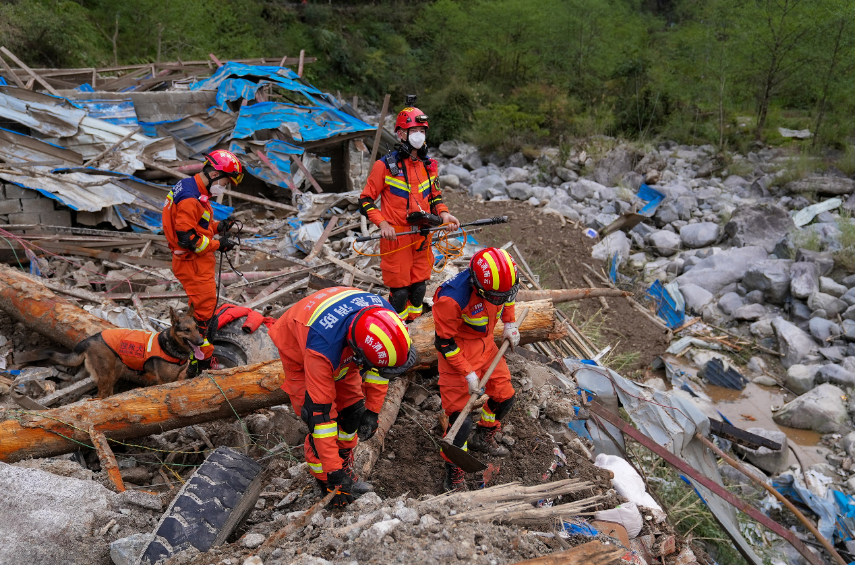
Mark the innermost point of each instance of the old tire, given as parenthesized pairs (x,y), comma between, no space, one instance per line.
(208,508)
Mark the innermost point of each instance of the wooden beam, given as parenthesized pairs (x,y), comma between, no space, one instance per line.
(215,60)
(29,71)
(286,179)
(379,133)
(306,172)
(106,457)
(301,62)
(126,137)
(591,553)
(316,249)
(11,73)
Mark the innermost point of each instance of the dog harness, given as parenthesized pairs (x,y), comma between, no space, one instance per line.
(135,347)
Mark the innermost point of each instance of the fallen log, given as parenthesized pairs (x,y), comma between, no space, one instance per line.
(568,294)
(368,452)
(34,305)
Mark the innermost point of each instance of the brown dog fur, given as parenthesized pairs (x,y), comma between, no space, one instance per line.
(106,367)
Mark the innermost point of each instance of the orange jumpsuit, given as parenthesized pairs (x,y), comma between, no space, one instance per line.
(464,330)
(187,209)
(321,375)
(403,186)
(135,347)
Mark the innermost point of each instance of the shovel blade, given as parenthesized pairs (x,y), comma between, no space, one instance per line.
(462,459)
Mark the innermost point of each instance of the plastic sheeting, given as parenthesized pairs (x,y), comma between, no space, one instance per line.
(118,112)
(670,305)
(234,89)
(302,123)
(284,77)
(668,420)
(806,215)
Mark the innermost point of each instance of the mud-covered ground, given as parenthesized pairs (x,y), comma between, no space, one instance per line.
(547,245)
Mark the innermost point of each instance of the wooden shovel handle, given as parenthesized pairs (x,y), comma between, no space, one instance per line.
(459,422)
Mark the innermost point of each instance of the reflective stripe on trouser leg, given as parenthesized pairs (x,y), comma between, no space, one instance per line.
(315,466)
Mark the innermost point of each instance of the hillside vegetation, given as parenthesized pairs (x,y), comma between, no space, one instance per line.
(507,73)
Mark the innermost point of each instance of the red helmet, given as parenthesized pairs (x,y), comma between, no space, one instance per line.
(226,162)
(380,340)
(410,117)
(494,275)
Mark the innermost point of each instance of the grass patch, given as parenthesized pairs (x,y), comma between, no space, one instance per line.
(845,258)
(806,239)
(797,168)
(846,163)
(741,167)
(726,215)
(619,361)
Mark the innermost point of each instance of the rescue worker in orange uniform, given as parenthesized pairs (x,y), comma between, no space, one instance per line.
(327,342)
(189,227)
(466,308)
(405,181)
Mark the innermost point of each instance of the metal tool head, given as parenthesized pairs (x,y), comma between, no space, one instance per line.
(462,459)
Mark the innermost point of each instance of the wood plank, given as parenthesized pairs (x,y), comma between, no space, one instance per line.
(306,173)
(62,248)
(29,71)
(316,249)
(591,553)
(10,73)
(379,133)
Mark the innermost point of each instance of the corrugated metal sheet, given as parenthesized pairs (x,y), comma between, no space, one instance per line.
(302,123)
(276,151)
(16,147)
(118,112)
(78,191)
(43,113)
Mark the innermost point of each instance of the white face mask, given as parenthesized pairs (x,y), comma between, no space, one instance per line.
(416,139)
(218,189)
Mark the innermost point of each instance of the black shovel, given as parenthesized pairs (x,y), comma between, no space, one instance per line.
(464,459)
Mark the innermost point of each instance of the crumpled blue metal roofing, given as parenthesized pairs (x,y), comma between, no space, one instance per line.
(276,151)
(233,89)
(304,123)
(119,112)
(284,77)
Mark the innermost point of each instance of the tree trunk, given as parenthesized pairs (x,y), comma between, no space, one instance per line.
(368,452)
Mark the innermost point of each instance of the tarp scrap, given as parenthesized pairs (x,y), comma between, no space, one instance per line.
(302,123)
(118,112)
(284,77)
(233,89)
(669,302)
(667,419)
(806,215)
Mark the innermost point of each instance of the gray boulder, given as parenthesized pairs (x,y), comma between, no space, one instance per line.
(473,161)
(849,314)
(696,297)
(820,409)
(520,190)
(584,189)
(730,302)
(793,344)
(124,551)
(565,174)
(449,181)
(721,269)
(836,375)
(699,235)
(614,165)
(615,242)
(804,279)
(461,173)
(449,148)
(849,297)
(664,243)
(486,187)
(848,330)
(517,160)
(824,261)
(666,213)
(515,174)
(768,460)
(821,301)
(749,312)
(772,278)
(761,225)
(822,329)
(825,186)
(801,378)
(562,205)
(829,286)
(47,518)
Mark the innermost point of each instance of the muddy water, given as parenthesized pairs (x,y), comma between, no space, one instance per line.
(752,408)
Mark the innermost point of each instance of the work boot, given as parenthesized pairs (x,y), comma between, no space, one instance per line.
(359,487)
(455,478)
(485,441)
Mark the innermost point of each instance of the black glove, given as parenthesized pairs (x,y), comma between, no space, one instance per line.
(367,425)
(341,481)
(224,226)
(226,244)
